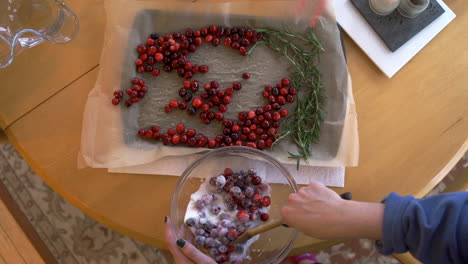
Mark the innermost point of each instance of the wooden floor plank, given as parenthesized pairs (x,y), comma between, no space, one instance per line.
(8,250)
(17,236)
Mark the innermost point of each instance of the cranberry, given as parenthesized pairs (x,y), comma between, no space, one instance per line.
(269,142)
(173,104)
(289,98)
(242,216)
(279,86)
(256,180)
(252,136)
(149,134)
(198,41)
(219,116)
(150,42)
(246,75)
(141,94)
(243,51)
(205,107)
(271,99)
(155,72)
(180,128)
(128,102)
(227,99)
(158,56)
(167,68)
(182,92)
(285,82)
(171,132)
(191,110)
(267,108)
(284,113)
(203,115)
(292,91)
(141,132)
(263,137)
(264,217)
(235,37)
(197,102)
(188,97)
(227,42)
(281,100)
(216,42)
(235,45)
(167,109)
(187,84)
(248,123)
(221,93)
(261,144)
(118,94)
(209,38)
(276,106)
(211,143)
(175,139)
(211,115)
(228,123)
(202,142)
(276,116)
(271,131)
(242,115)
(222,108)
(138,62)
(141,48)
(245,42)
(192,142)
(259,131)
(203,31)
(243,137)
(251,144)
(284,91)
(251,114)
(155,129)
(188,32)
(156,135)
(203,68)
(144,57)
(245,130)
(213,29)
(235,128)
(253,127)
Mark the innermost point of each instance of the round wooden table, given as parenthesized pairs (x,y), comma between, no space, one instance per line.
(412,128)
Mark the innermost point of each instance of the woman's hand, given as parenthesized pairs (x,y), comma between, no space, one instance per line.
(321,213)
(183,251)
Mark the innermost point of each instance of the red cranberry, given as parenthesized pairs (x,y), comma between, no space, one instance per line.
(173,104)
(150,42)
(246,75)
(183,139)
(248,123)
(167,109)
(191,111)
(261,144)
(203,115)
(198,41)
(213,29)
(180,128)
(245,130)
(265,94)
(202,142)
(235,128)
(275,125)
(251,114)
(263,137)
(267,108)
(243,137)
(216,100)
(211,143)
(260,118)
(192,142)
(276,116)
(203,68)
(289,98)
(238,143)
(171,132)
(187,84)
(155,72)
(235,37)
(276,106)
(253,127)
(292,91)
(175,139)
(216,42)
(205,107)
(284,113)
(118,94)
(235,45)
(279,86)
(264,217)
(222,108)
(158,56)
(285,82)
(226,131)
(242,115)
(149,134)
(141,48)
(227,99)
(242,216)
(188,32)
(259,131)
(271,99)
(271,131)
(283,91)
(142,132)
(182,92)
(138,62)
(196,33)
(252,136)
(155,129)
(245,42)
(266,201)
(191,132)
(144,57)
(219,116)
(115,101)
(204,31)
(269,143)
(221,93)
(156,135)
(228,123)
(281,100)
(209,38)
(211,115)
(196,103)
(227,42)
(128,102)
(243,51)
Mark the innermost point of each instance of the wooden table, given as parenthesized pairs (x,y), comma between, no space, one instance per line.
(412,127)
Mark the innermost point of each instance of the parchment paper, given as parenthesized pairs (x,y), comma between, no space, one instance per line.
(109,133)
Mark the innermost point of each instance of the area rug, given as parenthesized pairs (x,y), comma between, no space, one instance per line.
(73,237)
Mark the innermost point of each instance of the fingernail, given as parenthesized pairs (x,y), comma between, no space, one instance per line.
(165,219)
(180,243)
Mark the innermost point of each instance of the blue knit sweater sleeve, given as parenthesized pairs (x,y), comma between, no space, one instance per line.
(433,229)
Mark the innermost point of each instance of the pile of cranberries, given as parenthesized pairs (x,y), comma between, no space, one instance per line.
(256,128)
(246,200)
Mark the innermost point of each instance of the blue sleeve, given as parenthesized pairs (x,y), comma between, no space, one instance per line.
(433,229)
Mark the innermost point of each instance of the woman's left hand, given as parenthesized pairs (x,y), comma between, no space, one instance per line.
(183,251)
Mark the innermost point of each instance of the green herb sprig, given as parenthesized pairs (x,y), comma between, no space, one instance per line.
(303,126)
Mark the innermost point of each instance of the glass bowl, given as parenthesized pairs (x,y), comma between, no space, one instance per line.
(272,246)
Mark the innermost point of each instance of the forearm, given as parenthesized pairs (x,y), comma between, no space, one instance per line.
(361,220)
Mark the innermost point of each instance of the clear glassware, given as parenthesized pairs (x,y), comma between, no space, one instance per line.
(412,8)
(383,7)
(27,23)
(273,245)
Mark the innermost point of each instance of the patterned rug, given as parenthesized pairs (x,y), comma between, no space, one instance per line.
(73,237)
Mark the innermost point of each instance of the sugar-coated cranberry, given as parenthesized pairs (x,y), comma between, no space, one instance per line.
(264,217)
(266,201)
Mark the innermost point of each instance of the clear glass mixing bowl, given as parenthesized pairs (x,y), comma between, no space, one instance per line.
(272,246)
(26,23)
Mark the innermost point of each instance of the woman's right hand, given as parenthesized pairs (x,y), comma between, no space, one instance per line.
(319,212)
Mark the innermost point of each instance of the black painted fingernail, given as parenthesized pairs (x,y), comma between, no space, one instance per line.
(180,243)
(165,219)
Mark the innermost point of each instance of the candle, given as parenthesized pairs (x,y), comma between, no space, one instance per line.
(384,7)
(412,8)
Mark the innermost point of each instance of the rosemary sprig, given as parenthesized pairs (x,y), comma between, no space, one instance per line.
(304,125)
